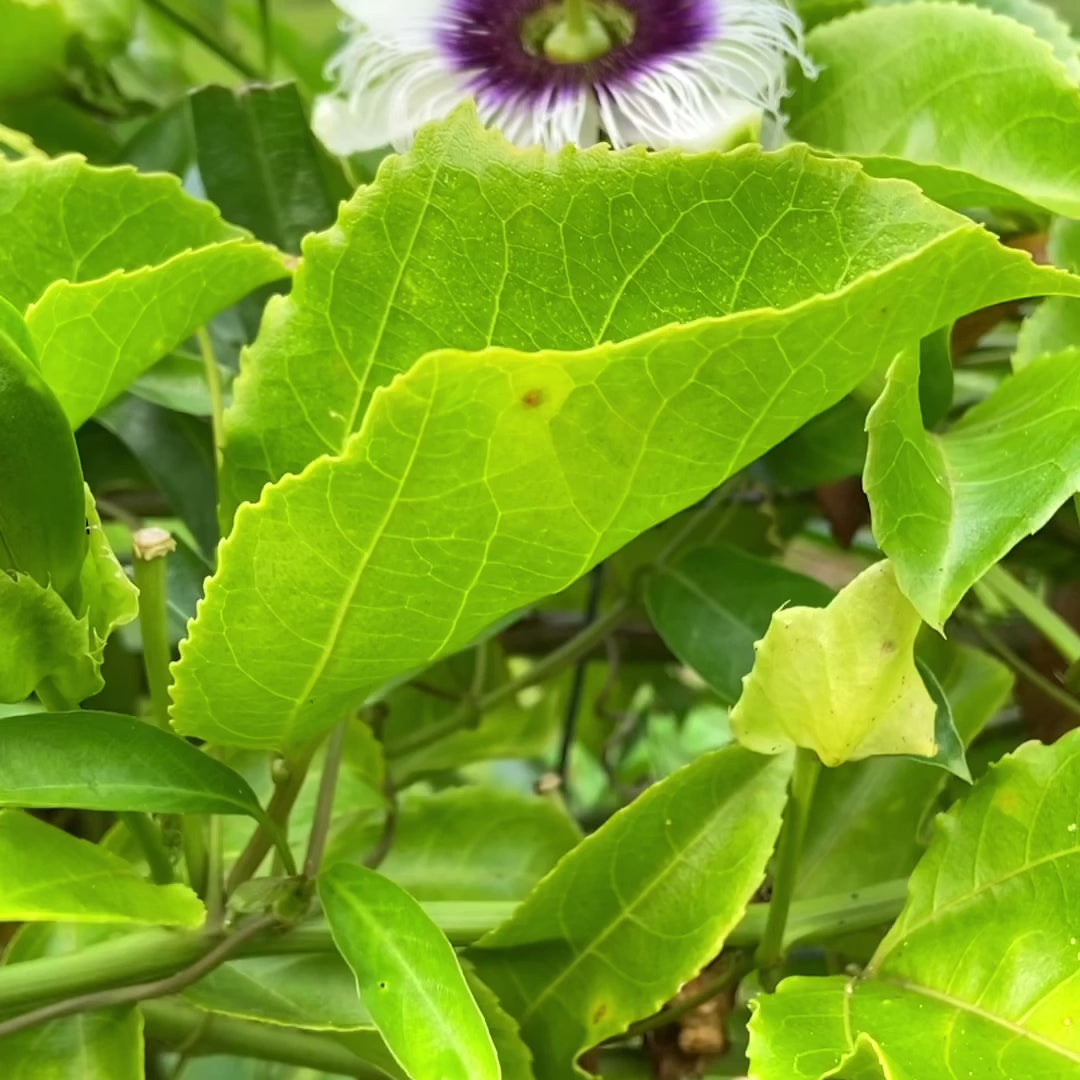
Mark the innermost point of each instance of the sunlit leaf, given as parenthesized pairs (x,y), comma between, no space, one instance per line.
(481,482)
(969,104)
(408,977)
(48,875)
(979,975)
(638,908)
(947,507)
(114,269)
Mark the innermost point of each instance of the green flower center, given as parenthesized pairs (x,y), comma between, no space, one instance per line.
(577,31)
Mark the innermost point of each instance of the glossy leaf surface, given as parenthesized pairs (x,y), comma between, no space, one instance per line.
(102,761)
(928,65)
(669,876)
(997,475)
(408,977)
(546,462)
(114,269)
(979,974)
(47,875)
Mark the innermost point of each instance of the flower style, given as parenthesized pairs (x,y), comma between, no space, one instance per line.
(687,73)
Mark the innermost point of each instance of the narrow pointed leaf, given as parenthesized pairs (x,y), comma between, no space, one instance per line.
(481,482)
(840,680)
(979,975)
(947,507)
(637,909)
(408,977)
(969,104)
(102,761)
(48,875)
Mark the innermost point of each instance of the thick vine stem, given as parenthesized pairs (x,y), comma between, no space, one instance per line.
(770,951)
(178,1025)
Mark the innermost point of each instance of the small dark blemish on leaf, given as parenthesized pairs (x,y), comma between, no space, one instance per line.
(600,1012)
(382,986)
(888,646)
(533,398)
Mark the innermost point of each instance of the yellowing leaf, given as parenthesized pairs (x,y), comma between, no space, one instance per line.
(840,680)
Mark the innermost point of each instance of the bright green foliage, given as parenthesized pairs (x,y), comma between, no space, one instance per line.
(466,243)
(979,975)
(481,482)
(102,1045)
(840,680)
(476,843)
(947,507)
(32,46)
(49,643)
(42,527)
(669,876)
(101,761)
(133,267)
(716,602)
(515,1058)
(948,83)
(408,977)
(1054,326)
(868,818)
(48,875)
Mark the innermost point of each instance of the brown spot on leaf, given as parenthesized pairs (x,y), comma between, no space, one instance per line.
(532,398)
(600,1012)
(888,646)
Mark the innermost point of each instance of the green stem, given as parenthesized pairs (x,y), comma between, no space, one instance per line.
(324,805)
(148,836)
(209,41)
(129,995)
(803,781)
(277,813)
(217,414)
(150,551)
(1022,668)
(1048,622)
(568,653)
(178,1025)
(576,15)
(156,953)
(737,967)
(52,699)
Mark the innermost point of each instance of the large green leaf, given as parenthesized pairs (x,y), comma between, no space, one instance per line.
(48,875)
(638,908)
(408,977)
(114,269)
(714,603)
(1055,325)
(476,844)
(867,819)
(31,47)
(947,507)
(102,761)
(481,482)
(45,642)
(979,975)
(840,680)
(102,1045)
(969,104)
(467,243)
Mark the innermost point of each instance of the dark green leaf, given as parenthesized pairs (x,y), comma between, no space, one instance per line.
(714,603)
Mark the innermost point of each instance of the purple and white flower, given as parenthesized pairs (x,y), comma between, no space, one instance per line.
(686,73)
